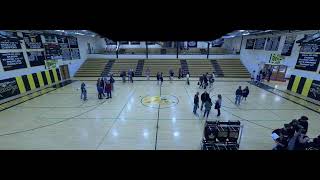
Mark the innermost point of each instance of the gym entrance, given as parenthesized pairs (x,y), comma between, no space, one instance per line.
(64,69)
(278,71)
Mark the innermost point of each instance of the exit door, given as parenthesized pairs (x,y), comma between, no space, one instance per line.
(64,69)
(278,72)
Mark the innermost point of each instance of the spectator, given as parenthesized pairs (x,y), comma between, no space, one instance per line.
(205,81)
(83,92)
(123,75)
(253,75)
(112,82)
(245,93)
(238,95)
(269,73)
(258,79)
(302,140)
(303,121)
(108,89)
(218,103)
(129,75)
(204,98)
(207,107)
(196,103)
(161,79)
(132,75)
(148,72)
(201,81)
(158,78)
(99,89)
(171,73)
(188,76)
(281,141)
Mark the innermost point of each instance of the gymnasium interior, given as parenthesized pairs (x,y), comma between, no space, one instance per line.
(42,73)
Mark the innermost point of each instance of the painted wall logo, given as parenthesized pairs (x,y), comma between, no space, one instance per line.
(192,43)
(276,59)
(160,101)
(314,91)
(8,88)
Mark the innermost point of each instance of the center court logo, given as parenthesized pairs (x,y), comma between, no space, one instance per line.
(160,101)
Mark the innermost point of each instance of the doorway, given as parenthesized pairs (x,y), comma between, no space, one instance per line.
(278,72)
(64,69)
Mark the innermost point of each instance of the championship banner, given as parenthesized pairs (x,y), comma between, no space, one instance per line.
(66,54)
(250,43)
(308,62)
(314,91)
(32,41)
(51,64)
(259,44)
(288,45)
(276,58)
(272,43)
(192,44)
(75,54)
(50,38)
(8,88)
(52,51)
(13,60)
(9,40)
(63,41)
(36,58)
(73,42)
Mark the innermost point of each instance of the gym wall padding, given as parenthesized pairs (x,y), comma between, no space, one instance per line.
(304,86)
(28,82)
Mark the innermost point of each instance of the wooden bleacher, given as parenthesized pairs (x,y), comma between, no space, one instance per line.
(233,68)
(92,68)
(123,65)
(161,65)
(198,67)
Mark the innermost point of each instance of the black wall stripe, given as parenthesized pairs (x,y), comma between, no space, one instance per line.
(36,80)
(26,82)
(51,76)
(44,77)
(58,73)
(301,84)
(289,87)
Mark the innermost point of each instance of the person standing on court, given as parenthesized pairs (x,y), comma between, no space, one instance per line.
(108,89)
(98,88)
(112,82)
(252,76)
(102,86)
(204,97)
(83,91)
(148,72)
(207,107)
(245,93)
(180,72)
(188,76)
(196,103)
(205,81)
(132,75)
(269,72)
(129,75)
(201,81)
(238,95)
(161,78)
(158,78)
(218,103)
(171,73)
